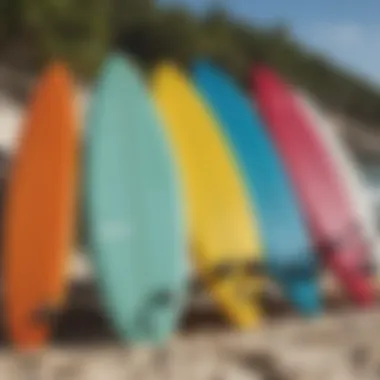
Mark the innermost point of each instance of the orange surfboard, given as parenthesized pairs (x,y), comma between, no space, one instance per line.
(39,218)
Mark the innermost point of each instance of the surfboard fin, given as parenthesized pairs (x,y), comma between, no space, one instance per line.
(254,268)
(330,245)
(299,271)
(223,270)
(164,298)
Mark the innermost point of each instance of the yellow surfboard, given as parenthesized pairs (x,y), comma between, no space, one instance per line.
(224,231)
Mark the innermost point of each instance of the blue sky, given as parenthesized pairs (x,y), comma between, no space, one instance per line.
(348,31)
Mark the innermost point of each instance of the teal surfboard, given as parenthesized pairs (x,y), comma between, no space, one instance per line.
(133,207)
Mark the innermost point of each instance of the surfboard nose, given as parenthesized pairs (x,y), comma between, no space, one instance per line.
(305,295)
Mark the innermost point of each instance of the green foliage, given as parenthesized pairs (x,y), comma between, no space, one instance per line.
(76,31)
(82,31)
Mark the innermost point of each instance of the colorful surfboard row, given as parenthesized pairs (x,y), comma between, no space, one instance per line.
(175,166)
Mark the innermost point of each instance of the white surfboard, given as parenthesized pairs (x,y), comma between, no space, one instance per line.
(359,194)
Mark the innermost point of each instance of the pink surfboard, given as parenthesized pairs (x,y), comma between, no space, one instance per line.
(325,203)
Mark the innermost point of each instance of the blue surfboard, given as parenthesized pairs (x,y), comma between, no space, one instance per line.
(288,248)
(133,204)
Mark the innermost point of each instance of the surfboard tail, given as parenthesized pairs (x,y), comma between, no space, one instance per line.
(355,281)
(305,296)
